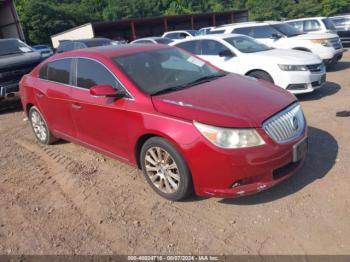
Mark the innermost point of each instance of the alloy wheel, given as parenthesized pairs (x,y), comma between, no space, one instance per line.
(162,170)
(39,126)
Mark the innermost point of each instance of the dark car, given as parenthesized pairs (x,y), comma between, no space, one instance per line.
(342,25)
(16,60)
(68,45)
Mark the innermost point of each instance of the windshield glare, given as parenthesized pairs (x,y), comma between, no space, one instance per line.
(157,70)
(246,44)
(287,29)
(13,46)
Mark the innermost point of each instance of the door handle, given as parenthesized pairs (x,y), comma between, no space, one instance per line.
(76,106)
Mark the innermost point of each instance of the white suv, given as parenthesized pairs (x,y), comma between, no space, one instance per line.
(281,35)
(313,25)
(298,72)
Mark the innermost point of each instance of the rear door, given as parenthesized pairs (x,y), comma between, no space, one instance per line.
(100,121)
(54,95)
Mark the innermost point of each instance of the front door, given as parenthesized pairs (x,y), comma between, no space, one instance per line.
(101,122)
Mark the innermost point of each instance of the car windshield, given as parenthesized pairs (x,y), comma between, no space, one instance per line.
(165,70)
(329,24)
(246,44)
(164,41)
(287,29)
(13,46)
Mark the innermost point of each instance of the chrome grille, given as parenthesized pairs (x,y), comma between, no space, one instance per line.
(336,43)
(286,125)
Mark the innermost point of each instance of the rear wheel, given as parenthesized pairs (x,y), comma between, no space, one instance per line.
(165,169)
(40,128)
(261,75)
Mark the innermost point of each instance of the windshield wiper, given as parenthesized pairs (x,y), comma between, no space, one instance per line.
(204,79)
(198,81)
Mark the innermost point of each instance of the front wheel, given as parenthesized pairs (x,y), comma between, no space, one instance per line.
(40,128)
(165,169)
(261,75)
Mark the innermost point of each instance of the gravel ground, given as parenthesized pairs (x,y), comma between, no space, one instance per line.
(65,199)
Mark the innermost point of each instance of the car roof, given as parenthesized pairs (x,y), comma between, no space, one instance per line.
(212,36)
(150,38)
(307,18)
(111,51)
(246,24)
(179,31)
(6,39)
(89,40)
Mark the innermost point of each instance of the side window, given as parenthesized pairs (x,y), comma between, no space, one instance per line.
(311,25)
(43,72)
(298,25)
(263,31)
(243,31)
(59,71)
(91,73)
(172,35)
(183,35)
(212,47)
(190,46)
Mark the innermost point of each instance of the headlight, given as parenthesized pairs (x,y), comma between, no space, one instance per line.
(324,42)
(293,67)
(230,138)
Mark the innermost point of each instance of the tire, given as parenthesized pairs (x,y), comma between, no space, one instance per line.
(261,75)
(40,128)
(170,175)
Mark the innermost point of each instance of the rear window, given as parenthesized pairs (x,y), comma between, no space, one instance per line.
(189,46)
(165,41)
(96,43)
(59,71)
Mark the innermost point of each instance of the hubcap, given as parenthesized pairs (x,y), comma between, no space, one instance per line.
(39,126)
(162,170)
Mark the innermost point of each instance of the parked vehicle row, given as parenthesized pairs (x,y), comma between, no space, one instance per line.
(297,71)
(188,125)
(281,35)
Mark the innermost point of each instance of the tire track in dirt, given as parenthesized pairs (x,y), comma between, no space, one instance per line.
(62,169)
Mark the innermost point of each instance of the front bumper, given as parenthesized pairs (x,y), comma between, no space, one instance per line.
(237,172)
(8,89)
(300,82)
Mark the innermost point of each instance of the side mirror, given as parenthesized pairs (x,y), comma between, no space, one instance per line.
(226,53)
(106,91)
(276,36)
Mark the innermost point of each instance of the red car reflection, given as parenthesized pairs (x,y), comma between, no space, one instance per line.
(187,125)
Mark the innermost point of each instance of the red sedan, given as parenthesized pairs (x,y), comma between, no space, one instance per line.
(186,124)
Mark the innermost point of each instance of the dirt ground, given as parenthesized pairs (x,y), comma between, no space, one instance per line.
(65,199)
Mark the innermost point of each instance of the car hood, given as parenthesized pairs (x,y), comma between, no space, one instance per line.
(286,57)
(230,101)
(21,59)
(314,36)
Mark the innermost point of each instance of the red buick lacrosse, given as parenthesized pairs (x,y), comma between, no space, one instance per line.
(186,124)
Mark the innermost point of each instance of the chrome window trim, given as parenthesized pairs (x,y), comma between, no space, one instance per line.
(75,63)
